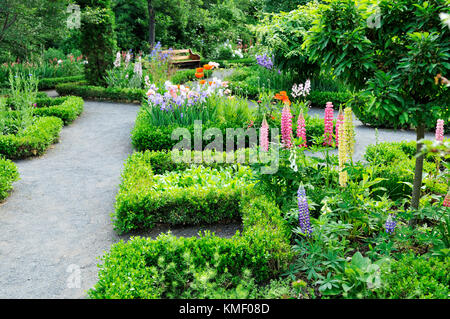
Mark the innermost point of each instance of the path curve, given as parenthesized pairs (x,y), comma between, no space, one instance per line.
(59,212)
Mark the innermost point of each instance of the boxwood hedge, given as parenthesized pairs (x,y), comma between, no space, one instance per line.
(51,83)
(8,175)
(100,93)
(144,268)
(33,141)
(66,108)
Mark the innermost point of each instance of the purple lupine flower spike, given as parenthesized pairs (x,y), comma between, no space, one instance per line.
(303,211)
(390,224)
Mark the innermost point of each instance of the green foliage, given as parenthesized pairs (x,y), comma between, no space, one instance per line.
(33,141)
(416,277)
(171,267)
(68,109)
(184,76)
(283,35)
(100,93)
(194,196)
(98,39)
(320,99)
(8,175)
(28,26)
(395,62)
(51,83)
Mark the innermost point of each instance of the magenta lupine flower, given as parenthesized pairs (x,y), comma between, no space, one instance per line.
(339,122)
(264,135)
(446,202)
(328,124)
(286,127)
(303,211)
(301,129)
(440,130)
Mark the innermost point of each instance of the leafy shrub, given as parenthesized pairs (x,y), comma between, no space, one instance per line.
(184,76)
(51,83)
(413,277)
(194,196)
(100,93)
(320,99)
(68,108)
(32,141)
(8,175)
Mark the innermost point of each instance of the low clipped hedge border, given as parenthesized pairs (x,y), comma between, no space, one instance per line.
(51,83)
(65,108)
(134,270)
(33,141)
(8,175)
(100,93)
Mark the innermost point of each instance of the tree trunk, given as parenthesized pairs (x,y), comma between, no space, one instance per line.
(420,132)
(151,24)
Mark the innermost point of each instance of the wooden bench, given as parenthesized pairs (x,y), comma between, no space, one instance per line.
(183,58)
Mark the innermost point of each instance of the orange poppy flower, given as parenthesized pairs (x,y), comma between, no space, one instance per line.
(210,82)
(207,67)
(199,75)
(202,82)
(199,70)
(282,96)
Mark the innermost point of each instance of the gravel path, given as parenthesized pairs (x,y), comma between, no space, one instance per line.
(59,212)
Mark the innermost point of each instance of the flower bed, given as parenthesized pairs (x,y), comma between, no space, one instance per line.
(33,141)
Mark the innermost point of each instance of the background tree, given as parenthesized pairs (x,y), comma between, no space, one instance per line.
(98,38)
(394,62)
(40,24)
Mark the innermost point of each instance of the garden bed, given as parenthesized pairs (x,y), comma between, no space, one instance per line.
(33,141)
(262,249)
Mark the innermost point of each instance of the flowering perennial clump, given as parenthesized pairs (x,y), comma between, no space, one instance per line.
(303,212)
(301,90)
(328,120)
(176,96)
(286,127)
(440,130)
(264,61)
(301,129)
(390,224)
(346,145)
(264,135)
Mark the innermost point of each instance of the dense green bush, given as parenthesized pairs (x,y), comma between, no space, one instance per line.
(51,83)
(183,76)
(320,99)
(416,277)
(194,196)
(8,175)
(32,141)
(394,162)
(98,38)
(168,266)
(100,93)
(67,108)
